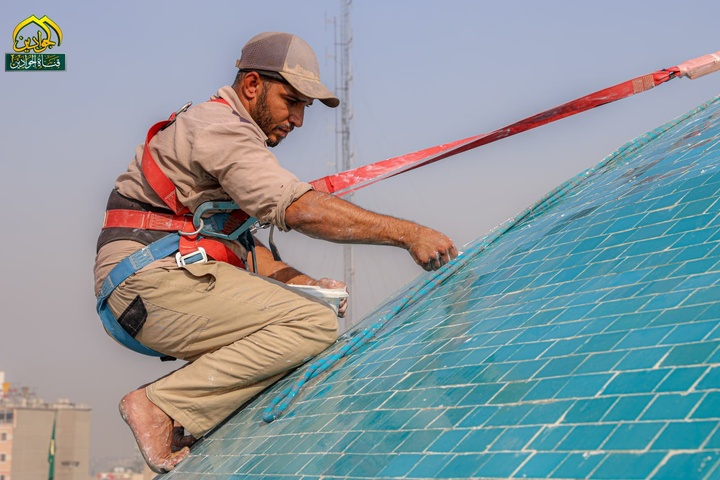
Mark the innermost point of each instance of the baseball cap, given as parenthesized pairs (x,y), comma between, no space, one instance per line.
(291,57)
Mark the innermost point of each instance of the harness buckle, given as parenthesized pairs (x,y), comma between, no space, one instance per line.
(198,256)
(174,115)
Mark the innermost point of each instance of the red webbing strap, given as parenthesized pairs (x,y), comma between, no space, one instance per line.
(346,182)
(156,178)
(147,220)
(214,249)
(165,189)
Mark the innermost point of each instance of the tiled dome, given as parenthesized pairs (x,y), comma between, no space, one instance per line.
(580,340)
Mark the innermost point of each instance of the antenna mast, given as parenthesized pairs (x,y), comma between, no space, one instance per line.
(344,133)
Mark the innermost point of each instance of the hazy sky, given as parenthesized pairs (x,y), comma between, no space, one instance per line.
(425,72)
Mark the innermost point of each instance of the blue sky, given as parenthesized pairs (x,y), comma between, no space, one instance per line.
(424,73)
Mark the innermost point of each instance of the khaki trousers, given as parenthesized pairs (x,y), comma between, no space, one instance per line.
(239,332)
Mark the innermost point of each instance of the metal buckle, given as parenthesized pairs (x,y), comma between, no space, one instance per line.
(198,256)
(172,118)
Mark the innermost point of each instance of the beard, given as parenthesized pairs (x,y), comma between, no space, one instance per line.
(261,114)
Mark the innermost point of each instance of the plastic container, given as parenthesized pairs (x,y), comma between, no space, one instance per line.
(333,296)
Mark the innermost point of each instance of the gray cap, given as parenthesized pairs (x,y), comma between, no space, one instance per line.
(292,58)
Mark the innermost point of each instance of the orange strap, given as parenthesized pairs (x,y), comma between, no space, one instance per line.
(147,220)
(156,178)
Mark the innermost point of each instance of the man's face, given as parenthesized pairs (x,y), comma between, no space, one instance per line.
(279,108)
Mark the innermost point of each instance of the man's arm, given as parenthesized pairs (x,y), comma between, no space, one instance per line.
(321,215)
(277,270)
(282,272)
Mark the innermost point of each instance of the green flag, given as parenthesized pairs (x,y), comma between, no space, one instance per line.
(51,453)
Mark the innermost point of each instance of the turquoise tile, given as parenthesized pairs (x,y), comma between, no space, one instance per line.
(704,295)
(659,285)
(688,465)
(585,437)
(524,370)
(694,268)
(479,395)
(429,466)
(422,419)
(618,307)
(463,466)
(643,358)
(400,465)
(590,410)
(680,315)
(685,435)
(478,417)
(601,343)
(711,380)
(693,252)
(546,413)
(448,441)
(450,416)
(600,362)
(633,436)
(672,406)
(578,465)
(540,465)
(666,300)
(501,465)
(636,382)
(628,408)
(508,415)
(319,465)
(627,466)
(546,389)
(714,441)
(560,366)
(681,379)
(690,354)
(415,441)
(650,246)
(579,386)
(549,438)
(514,438)
(692,332)
(370,466)
(698,281)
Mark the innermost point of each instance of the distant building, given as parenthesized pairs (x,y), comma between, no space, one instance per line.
(35,436)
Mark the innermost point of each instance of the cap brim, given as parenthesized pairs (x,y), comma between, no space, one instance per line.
(311,88)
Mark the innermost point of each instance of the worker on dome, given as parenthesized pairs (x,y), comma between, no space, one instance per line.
(179,274)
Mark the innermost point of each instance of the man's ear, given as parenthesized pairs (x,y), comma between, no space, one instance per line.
(251,85)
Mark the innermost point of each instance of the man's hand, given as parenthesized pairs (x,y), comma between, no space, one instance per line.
(321,215)
(431,249)
(334,284)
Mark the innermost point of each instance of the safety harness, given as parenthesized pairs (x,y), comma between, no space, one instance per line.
(167,232)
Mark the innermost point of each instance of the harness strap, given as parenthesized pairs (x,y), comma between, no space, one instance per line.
(147,220)
(157,179)
(145,256)
(215,249)
(187,243)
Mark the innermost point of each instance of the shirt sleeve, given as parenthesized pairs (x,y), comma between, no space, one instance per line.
(235,154)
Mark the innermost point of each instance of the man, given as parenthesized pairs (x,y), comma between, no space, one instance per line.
(239,330)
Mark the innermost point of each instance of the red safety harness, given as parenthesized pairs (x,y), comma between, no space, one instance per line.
(193,238)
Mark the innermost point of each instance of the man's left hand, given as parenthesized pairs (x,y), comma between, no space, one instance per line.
(334,284)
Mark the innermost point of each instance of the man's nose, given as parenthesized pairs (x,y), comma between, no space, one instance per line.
(297,115)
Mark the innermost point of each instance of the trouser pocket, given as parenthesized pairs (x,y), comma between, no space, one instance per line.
(134,316)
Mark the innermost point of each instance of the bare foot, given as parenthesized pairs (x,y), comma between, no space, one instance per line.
(181,440)
(153,431)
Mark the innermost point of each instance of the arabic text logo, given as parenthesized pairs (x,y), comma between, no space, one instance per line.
(31,38)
